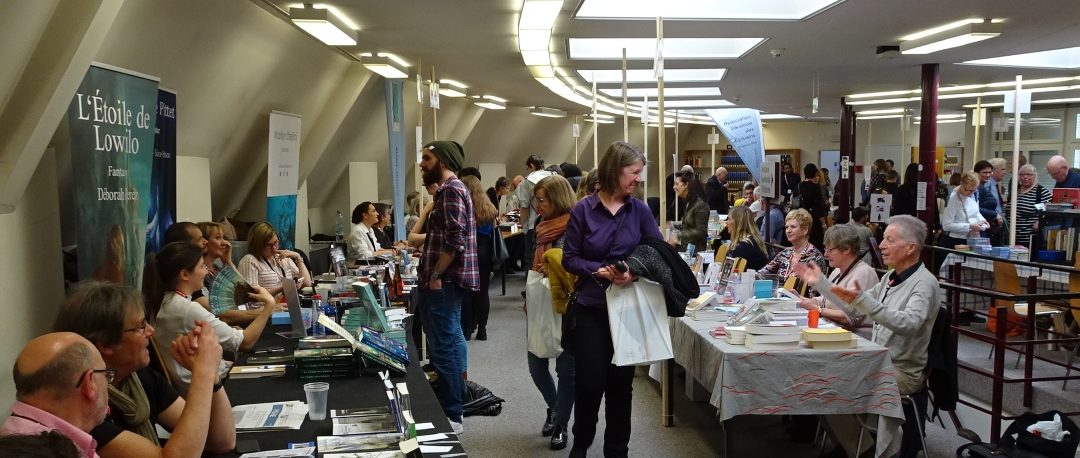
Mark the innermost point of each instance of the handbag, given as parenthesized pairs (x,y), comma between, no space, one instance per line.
(1026,444)
(543,330)
(637,316)
(499,253)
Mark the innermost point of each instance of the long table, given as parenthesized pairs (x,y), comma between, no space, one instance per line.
(365,391)
(794,382)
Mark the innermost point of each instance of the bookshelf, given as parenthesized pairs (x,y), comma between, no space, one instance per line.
(738,173)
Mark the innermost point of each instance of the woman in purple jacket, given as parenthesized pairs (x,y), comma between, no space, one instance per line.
(604,228)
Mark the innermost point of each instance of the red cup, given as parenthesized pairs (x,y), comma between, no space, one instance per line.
(812,318)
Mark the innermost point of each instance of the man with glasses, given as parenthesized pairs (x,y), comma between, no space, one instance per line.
(112,317)
(61,384)
(990,203)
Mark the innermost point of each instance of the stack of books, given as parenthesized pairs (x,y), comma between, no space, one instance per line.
(798,315)
(735,335)
(776,335)
(325,363)
(269,370)
(384,344)
(829,338)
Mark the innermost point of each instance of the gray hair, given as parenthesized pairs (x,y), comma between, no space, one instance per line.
(1028,168)
(844,237)
(911,229)
(997,162)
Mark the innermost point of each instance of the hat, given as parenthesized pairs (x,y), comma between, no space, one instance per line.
(449,152)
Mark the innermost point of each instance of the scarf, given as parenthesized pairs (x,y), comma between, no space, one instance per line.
(132,407)
(547,232)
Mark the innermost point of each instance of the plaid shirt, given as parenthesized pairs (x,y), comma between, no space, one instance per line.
(452,229)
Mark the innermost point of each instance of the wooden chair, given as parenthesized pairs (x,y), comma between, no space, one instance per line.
(740,266)
(721,252)
(1074,286)
(1007,280)
(156,361)
(794,284)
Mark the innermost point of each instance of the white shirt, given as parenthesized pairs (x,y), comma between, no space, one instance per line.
(960,213)
(362,242)
(177,316)
(525,197)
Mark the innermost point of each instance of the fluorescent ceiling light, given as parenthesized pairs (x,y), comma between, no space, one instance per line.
(600,119)
(547,112)
(534,39)
(539,14)
(882,101)
(775,10)
(648,76)
(652,92)
(943,28)
(988,105)
(776,116)
(490,102)
(452,88)
(691,103)
(895,116)
(536,57)
(1066,100)
(323,24)
(958,36)
(1054,58)
(883,94)
(881,111)
(674,48)
(385,64)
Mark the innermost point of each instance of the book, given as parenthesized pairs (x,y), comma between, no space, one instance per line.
(360,412)
(771,338)
(773,327)
(852,342)
(826,335)
(750,345)
(244,372)
(327,341)
(370,424)
(700,302)
(362,443)
(389,346)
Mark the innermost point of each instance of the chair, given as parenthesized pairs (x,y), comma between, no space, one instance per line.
(867,425)
(156,361)
(875,252)
(1074,286)
(740,266)
(1007,280)
(794,284)
(721,252)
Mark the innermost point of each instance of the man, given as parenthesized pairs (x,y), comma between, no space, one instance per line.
(990,204)
(448,270)
(112,317)
(572,173)
(1064,177)
(527,206)
(789,182)
(61,384)
(716,191)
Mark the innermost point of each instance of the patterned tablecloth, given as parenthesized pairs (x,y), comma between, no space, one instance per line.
(795,382)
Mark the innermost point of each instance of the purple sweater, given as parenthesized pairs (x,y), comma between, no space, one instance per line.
(595,238)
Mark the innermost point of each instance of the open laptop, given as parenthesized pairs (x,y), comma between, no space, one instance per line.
(296,318)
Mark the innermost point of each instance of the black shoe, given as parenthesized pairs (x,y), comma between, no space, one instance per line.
(549,423)
(468,335)
(558,438)
(481,334)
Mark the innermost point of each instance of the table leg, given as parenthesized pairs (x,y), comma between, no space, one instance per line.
(667,369)
(502,274)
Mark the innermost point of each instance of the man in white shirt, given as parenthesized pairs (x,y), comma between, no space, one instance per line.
(526,204)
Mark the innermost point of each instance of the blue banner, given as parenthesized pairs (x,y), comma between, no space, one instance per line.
(162,213)
(283,163)
(742,127)
(281,213)
(395,133)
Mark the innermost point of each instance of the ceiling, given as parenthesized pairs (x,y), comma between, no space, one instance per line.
(475,42)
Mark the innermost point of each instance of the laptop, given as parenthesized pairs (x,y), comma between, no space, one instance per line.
(296,318)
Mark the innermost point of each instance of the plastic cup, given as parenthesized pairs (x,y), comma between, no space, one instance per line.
(316,399)
(305,313)
(812,318)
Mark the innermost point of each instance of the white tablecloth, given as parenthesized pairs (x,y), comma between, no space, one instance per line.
(1053,276)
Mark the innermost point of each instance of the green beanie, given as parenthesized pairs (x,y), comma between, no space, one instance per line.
(449,152)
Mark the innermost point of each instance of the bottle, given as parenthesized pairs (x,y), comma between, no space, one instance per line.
(317,329)
(330,310)
(339,226)
(729,290)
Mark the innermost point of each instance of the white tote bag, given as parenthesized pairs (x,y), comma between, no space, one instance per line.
(544,328)
(640,331)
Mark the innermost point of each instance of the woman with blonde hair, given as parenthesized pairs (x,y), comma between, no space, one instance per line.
(477,304)
(961,218)
(797,225)
(745,241)
(266,264)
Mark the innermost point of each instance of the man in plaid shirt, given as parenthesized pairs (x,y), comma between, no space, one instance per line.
(448,268)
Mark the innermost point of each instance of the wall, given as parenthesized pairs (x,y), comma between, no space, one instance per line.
(193,189)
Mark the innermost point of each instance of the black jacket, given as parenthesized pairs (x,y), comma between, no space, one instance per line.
(656,260)
(941,364)
(717,195)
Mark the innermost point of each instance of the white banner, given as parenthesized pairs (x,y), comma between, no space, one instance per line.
(283,163)
(767,183)
(742,126)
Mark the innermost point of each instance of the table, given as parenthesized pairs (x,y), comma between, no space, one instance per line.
(365,391)
(979,272)
(795,382)
(510,238)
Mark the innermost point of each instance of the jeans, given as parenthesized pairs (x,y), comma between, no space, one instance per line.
(446,349)
(911,443)
(596,379)
(562,399)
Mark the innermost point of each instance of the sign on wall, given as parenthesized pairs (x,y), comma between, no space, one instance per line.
(282,172)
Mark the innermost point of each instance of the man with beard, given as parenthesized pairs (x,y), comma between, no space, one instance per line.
(448,269)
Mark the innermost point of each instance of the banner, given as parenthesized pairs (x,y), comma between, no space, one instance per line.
(111,124)
(282,170)
(162,213)
(742,127)
(395,133)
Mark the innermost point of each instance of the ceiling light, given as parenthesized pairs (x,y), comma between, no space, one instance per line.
(881,101)
(881,111)
(547,112)
(1067,100)
(692,103)
(939,29)
(385,64)
(539,14)
(895,116)
(696,9)
(536,57)
(534,39)
(776,116)
(652,92)
(988,105)
(323,24)
(600,119)
(451,88)
(1054,58)
(490,102)
(883,94)
(671,75)
(674,48)
(954,37)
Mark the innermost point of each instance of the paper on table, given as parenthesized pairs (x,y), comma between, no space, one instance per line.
(435,448)
(283,453)
(431,437)
(425,426)
(271,415)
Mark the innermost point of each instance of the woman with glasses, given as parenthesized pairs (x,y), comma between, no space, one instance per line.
(179,270)
(1029,192)
(961,218)
(266,264)
(842,244)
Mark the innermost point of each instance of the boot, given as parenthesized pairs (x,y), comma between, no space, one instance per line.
(549,423)
(558,438)
(481,333)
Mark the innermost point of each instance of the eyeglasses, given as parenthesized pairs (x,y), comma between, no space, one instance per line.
(140,329)
(540,200)
(110,375)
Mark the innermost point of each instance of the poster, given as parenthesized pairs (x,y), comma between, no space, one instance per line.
(282,182)
(395,133)
(111,123)
(767,183)
(880,207)
(742,127)
(162,212)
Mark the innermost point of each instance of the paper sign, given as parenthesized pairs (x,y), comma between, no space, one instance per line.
(920,196)
(419,89)
(419,144)
(714,139)
(845,165)
(576,129)
(978,117)
(880,207)
(768,176)
(433,95)
(1023,100)
(645,110)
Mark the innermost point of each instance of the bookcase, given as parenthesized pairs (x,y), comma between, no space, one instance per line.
(738,173)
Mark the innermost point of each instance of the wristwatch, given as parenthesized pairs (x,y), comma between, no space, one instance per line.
(435,275)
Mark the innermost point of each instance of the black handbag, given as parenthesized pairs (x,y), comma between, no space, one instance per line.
(1025,444)
(569,323)
(499,252)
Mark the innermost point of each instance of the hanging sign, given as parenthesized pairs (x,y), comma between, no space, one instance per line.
(282,183)
(743,127)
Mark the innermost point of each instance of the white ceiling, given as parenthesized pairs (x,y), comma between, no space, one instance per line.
(474,42)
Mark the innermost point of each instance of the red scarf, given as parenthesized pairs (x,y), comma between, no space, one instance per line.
(547,232)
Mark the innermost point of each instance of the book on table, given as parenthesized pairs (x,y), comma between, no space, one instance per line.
(772,346)
(826,335)
(774,327)
(360,412)
(358,443)
(370,424)
(852,342)
(771,338)
(245,372)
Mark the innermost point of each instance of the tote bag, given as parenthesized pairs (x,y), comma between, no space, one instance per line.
(543,328)
(499,253)
(637,315)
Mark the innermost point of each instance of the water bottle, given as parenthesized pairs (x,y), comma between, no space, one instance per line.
(339,226)
(317,329)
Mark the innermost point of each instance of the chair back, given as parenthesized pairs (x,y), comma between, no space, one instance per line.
(875,252)
(740,266)
(156,361)
(721,252)
(1074,286)
(794,284)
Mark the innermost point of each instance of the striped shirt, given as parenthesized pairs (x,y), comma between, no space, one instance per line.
(452,229)
(1026,215)
(267,274)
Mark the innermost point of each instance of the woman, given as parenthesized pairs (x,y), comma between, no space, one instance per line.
(1030,192)
(184,231)
(877,179)
(903,305)
(179,270)
(745,241)
(842,244)
(218,255)
(381,229)
(265,264)
(412,210)
(797,228)
(554,199)
(961,218)
(587,185)
(477,305)
(695,223)
(813,202)
(905,198)
(362,240)
(604,228)
(495,193)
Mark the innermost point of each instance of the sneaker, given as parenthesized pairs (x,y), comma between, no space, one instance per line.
(458,428)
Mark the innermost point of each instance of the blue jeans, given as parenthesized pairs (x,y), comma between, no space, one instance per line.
(561,399)
(446,345)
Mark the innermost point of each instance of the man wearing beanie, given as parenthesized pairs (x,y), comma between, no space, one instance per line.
(448,269)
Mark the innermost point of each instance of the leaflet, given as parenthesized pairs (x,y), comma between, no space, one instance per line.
(270,416)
